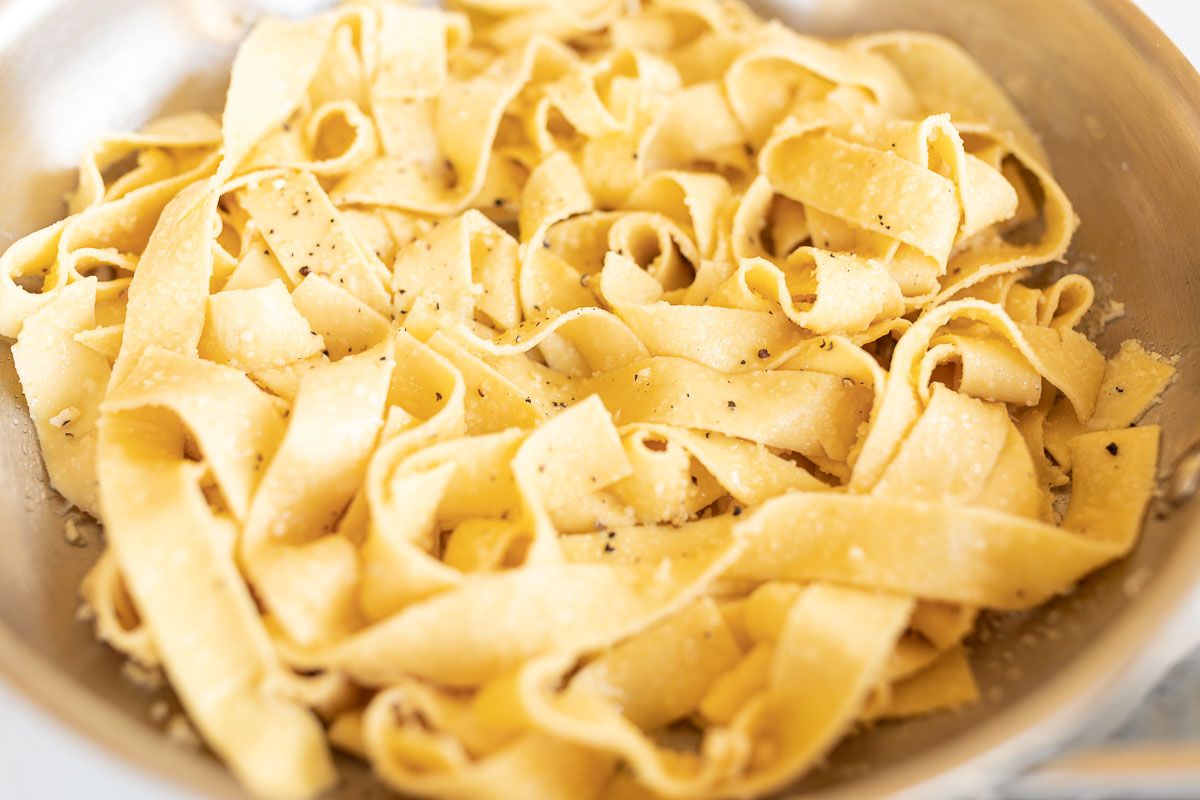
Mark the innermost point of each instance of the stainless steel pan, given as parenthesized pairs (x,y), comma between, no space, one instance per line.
(1119,108)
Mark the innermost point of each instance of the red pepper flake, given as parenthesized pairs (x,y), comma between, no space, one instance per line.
(1112,448)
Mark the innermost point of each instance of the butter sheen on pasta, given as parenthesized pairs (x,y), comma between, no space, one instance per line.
(499,394)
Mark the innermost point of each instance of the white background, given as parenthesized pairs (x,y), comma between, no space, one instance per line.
(39,760)
(1178,18)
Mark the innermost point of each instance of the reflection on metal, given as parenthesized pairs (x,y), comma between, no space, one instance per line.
(1182,482)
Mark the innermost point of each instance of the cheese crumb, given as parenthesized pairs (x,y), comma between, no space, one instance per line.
(65,417)
(159,712)
(72,534)
(181,733)
(141,676)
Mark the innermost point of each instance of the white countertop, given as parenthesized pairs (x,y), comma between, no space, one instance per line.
(39,759)
(1178,18)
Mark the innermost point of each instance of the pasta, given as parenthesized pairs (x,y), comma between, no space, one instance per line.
(582,400)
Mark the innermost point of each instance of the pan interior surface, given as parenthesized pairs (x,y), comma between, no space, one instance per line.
(1119,112)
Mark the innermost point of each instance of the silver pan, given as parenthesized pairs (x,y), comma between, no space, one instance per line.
(1119,109)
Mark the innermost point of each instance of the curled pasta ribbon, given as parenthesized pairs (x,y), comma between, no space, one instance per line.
(573,399)
(848,294)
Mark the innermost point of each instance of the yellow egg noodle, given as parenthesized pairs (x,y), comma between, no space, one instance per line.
(573,399)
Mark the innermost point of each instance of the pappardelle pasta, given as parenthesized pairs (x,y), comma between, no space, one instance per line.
(573,400)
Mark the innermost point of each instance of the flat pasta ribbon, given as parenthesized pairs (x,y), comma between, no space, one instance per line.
(574,399)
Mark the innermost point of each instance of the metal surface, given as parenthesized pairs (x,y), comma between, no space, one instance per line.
(1119,109)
